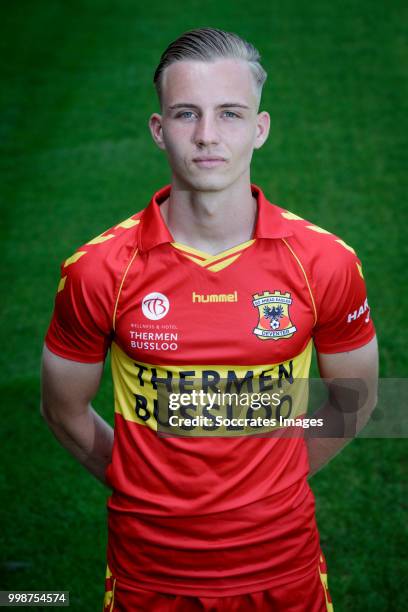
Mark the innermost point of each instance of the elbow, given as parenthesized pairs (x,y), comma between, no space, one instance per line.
(373,398)
(373,404)
(46,412)
(367,410)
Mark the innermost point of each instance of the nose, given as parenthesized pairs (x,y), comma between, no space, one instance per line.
(206,132)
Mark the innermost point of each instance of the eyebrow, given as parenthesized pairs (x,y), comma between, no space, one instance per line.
(225,105)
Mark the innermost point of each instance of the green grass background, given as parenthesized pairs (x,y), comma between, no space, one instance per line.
(76,157)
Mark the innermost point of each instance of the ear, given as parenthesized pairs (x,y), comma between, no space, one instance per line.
(263,123)
(155,125)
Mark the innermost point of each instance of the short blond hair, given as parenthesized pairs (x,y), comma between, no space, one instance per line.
(207,45)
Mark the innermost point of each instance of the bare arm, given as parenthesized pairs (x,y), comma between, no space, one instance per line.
(357,369)
(67,390)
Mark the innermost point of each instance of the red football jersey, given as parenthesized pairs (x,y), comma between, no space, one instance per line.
(215,510)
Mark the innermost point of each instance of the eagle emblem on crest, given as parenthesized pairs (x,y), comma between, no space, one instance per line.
(274,320)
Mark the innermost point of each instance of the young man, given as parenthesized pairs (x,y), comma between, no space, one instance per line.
(209,287)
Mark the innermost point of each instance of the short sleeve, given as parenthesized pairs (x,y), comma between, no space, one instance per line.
(80,327)
(343,314)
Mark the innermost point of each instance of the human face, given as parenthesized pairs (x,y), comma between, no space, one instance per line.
(210,123)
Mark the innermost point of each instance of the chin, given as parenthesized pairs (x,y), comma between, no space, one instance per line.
(207,183)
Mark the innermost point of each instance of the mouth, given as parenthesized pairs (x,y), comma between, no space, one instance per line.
(209,161)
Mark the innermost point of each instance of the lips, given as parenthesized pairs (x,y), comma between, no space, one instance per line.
(209,161)
(209,158)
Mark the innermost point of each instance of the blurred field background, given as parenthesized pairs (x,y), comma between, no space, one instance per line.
(77,157)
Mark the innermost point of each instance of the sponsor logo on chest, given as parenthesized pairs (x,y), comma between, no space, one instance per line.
(153,336)
(155,306)
(273,310)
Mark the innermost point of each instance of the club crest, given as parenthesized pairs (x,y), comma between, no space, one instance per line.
(274,320)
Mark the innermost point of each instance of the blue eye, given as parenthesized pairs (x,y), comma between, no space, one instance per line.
(186,114)
(230,114)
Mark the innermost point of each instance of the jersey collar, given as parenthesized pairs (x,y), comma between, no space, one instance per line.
(153,230)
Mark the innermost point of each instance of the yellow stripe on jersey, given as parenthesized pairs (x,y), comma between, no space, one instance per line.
(142,391)
(212,262)
(325,583)
(213,267)
(360,270)
(101,238)
(128,223)
(61,284)
(186,249)
(223,264)
(74,258)
(346,246)
(203,255)
(291,216)
(109,599)
(199,262)
(316,228)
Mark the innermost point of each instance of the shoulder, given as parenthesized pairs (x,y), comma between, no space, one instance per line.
(320,250)
(82,320)
(335,276)
(103,258)
(332,268)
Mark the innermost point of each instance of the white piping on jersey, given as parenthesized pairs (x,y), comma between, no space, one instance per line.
(120,288)
(306,279)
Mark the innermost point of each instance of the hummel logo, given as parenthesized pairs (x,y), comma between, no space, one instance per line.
(214,297)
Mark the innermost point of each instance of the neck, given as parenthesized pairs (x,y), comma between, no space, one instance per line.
(211,221)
